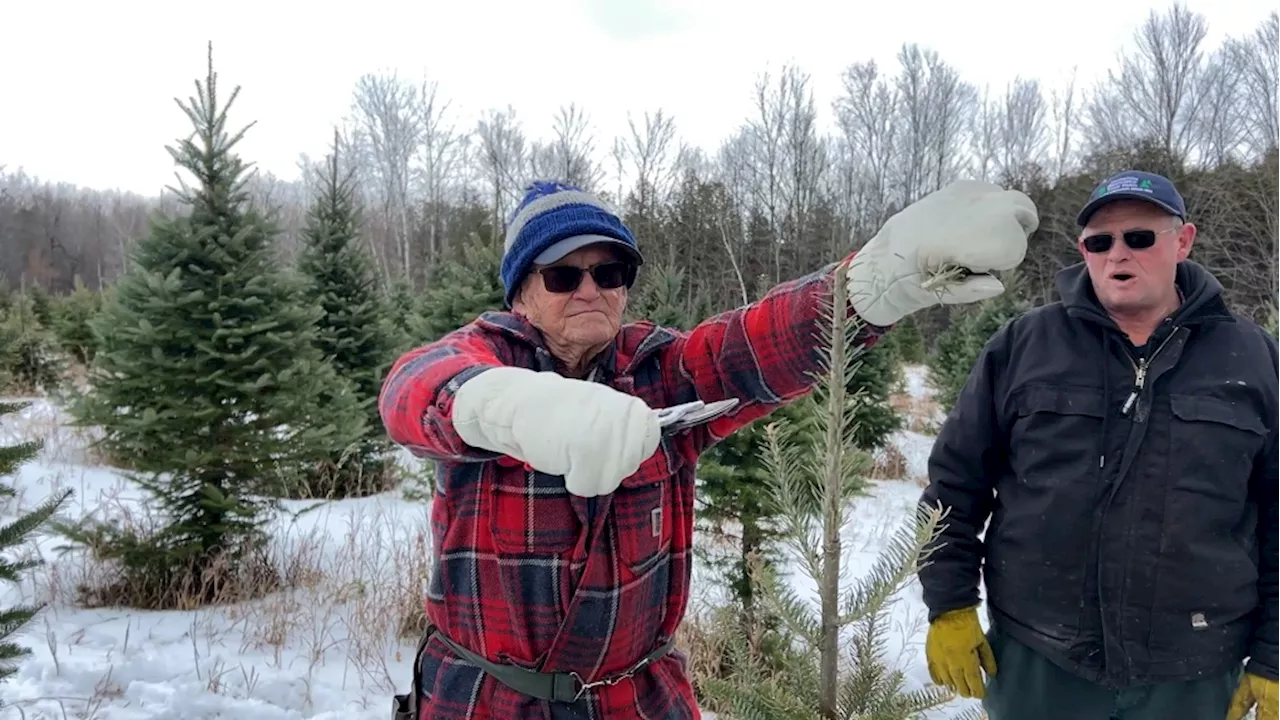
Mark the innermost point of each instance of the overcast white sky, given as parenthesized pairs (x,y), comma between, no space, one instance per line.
(87,88)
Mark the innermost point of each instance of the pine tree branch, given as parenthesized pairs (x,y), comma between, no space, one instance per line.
(894,566)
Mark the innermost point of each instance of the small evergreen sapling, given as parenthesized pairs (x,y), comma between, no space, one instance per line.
(12,535)
(818,462)
(29,353)
(71,316)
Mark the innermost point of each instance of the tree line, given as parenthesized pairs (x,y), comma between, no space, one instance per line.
(778,196)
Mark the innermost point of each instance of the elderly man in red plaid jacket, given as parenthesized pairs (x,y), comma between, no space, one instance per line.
(563,516)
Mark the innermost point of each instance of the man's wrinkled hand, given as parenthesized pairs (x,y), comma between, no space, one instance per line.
(957,653)
(969,227)
(1255,691)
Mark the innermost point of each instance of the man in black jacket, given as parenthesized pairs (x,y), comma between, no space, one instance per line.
(1122,444)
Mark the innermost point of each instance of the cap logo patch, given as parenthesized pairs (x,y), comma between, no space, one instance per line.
(1128,183)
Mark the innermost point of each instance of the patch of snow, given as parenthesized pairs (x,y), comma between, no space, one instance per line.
(326,651)
(916,378)
(915,448)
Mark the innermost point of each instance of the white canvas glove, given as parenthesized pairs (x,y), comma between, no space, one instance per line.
(971,224)
(590,433)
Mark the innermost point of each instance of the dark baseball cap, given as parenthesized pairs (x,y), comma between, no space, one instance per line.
(1135,185)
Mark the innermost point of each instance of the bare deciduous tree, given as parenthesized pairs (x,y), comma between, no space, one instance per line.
(1258,62)
(985,136)
(936,107)
(868,115)
(1218,128)
(502,155)
(1023,131)
(1154,95)
(387,112)
(804,159)
(652,153)
(785,159)
(1063,108)
(570,155)
(441,151)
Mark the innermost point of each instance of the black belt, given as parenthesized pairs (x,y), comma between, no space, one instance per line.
(565,687)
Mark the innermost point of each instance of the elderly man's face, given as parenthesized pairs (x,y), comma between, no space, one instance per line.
(1134,281)
(578,321)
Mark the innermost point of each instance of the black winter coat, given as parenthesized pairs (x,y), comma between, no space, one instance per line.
(1132,502)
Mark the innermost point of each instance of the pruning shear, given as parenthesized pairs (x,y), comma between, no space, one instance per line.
(686,415)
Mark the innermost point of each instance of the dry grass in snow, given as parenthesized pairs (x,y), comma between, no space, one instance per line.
(335,643)
(332,644)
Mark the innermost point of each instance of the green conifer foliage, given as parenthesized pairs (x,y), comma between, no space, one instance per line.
(354,332)
(208,381)
(12,535)
(460,291)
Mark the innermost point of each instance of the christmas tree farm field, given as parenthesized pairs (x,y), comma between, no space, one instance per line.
(335,640)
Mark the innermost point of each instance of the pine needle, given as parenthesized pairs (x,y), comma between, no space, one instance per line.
(949,275)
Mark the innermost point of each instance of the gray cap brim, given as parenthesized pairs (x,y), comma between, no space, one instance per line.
(1082,219)
(563,247)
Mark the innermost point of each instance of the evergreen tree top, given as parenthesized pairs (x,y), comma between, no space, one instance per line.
(206,153)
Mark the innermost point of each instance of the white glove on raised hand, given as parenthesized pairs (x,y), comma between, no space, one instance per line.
(971,224)
(590,433)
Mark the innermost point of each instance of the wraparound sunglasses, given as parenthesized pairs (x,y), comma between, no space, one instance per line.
(607,276)
(1135,239)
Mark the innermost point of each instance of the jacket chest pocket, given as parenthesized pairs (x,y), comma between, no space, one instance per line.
(1213,444)
(642,511)
(1056,434)
(532,513)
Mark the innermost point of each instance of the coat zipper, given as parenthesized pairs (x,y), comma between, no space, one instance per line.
(1140,375)
(1139,384)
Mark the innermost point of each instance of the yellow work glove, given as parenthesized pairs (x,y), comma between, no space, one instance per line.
(957,652)
(1254,690)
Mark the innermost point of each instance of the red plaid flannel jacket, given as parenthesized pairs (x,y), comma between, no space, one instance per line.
(525,573)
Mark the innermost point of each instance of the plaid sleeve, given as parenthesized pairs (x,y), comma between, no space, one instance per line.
(766,353)
(416,402)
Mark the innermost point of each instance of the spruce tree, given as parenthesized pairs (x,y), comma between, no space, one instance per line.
(41,304)
(906,341)
(29,353)
(959,346)
(664,298)
(735,488)
(354,332)
(461,290)
(13,534)
(208,381)
(402,312)
(71,316)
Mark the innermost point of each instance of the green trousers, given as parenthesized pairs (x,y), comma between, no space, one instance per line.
(1027,686)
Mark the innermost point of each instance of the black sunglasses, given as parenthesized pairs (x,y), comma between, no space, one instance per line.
(607,276)
(1135,239)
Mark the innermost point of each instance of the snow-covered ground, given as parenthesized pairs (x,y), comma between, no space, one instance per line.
(327,649)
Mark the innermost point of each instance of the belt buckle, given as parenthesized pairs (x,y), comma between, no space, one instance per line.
(584,686)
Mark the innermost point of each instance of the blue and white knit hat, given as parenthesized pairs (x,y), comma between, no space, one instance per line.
(553,220)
